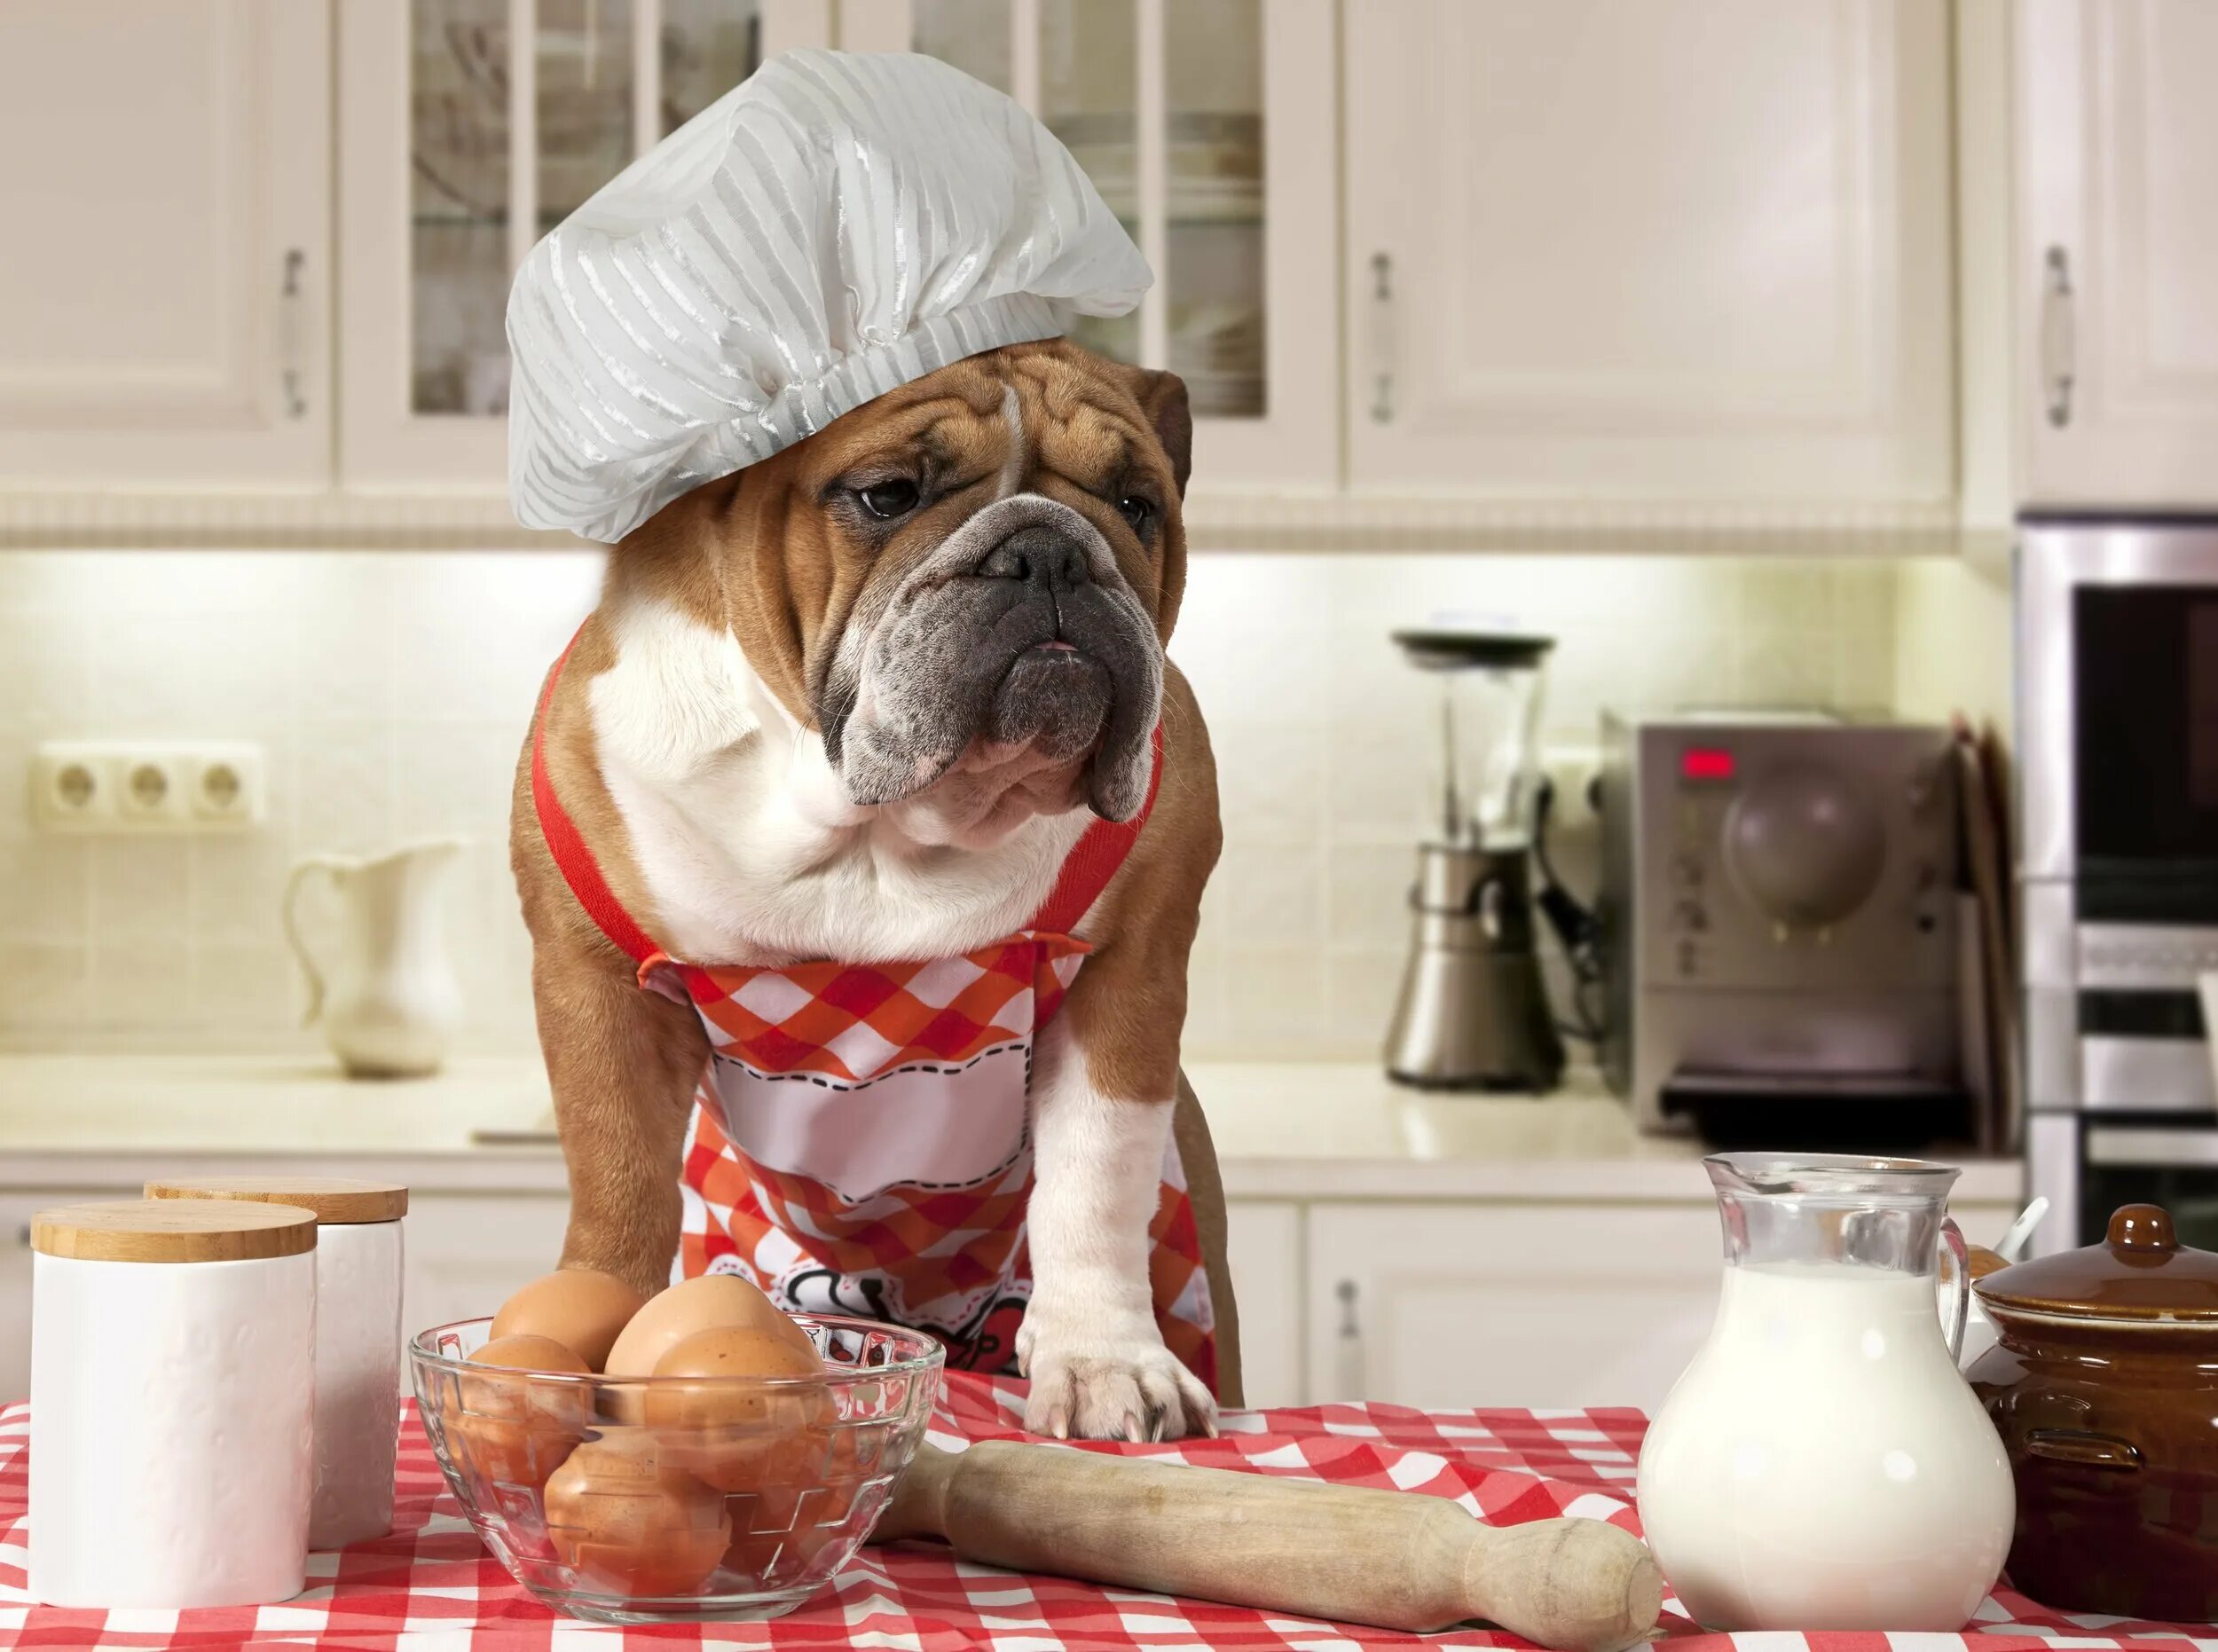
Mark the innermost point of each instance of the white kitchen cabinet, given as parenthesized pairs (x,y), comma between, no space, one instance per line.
(2117,137)
(1689,251)
(465,1254)
(1507,1305)
(16,1211)
(468,1252)
(1264,1246)
(15,1294)
(461,140)
(1208,130)
(163,294)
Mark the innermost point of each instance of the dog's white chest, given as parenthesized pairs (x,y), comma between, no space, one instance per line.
(748,845)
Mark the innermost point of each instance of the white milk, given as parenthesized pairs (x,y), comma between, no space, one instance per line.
(1822,1464)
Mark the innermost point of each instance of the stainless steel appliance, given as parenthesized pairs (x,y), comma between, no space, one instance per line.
(1778,927)
(2118,800)
(1473,1013)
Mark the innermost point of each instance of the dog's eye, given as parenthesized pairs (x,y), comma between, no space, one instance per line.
(1137,511)
(888,500)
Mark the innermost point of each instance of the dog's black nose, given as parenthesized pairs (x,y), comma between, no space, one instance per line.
(1038,556)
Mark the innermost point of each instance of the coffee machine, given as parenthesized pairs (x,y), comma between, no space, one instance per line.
(1473,1013)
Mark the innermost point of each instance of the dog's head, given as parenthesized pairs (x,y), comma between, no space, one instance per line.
(966,584)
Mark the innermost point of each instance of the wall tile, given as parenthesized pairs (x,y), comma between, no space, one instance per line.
(142,985)
(391,692)
(1270,780)
(1361,984)
(1275,999)
(1786,670)
(45,889)
(1208,1024)
(45,991)
(247,993)
(46,671)
(344,788)
(348,636)
(1370,891)
(1275,893)
(141,889)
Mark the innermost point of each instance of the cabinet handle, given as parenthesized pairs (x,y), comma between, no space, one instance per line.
(292,333)
(23,1235)
(2057,343)
(1348,1374)
(1385,345)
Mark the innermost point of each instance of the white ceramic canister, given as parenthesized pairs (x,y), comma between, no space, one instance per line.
(173,1347)
(359,1258)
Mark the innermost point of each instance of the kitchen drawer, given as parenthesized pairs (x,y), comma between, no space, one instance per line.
(1541,1305)
(468,1252)
(16,1211)
(1263,1242)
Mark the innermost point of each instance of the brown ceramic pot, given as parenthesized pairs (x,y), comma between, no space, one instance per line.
(2103,1385)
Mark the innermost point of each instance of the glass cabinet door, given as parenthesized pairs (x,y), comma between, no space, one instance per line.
(1194,121)
(469,128)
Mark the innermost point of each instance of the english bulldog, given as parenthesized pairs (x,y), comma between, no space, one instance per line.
(875,700)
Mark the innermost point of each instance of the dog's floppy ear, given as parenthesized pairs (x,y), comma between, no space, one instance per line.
(1162,398)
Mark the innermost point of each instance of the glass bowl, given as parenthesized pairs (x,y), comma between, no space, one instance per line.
(637,1500)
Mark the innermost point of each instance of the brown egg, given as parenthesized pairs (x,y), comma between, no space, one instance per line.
(630,1521)
(702,1304)
(739,1436)
(515,1431)
(581,1308)
(795,1537)
(778,1533)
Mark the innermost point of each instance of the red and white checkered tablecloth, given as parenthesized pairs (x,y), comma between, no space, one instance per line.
(430,1587)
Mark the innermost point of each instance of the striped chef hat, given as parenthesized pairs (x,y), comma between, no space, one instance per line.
(837,225)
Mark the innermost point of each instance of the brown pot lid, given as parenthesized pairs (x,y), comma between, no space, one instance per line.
(2140,1271)
(337,1200)
(172,1230)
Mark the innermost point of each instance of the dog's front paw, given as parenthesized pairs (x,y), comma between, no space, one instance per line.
(1107,1380)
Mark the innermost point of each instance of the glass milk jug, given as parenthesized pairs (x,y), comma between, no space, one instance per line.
(1822,1464)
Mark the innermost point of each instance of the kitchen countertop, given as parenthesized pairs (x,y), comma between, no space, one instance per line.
(1283,1129)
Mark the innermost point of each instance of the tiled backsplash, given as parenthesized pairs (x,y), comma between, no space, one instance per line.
(391,691)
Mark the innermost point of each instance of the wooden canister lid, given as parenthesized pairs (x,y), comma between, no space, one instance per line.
(337,1200)
(173,1229)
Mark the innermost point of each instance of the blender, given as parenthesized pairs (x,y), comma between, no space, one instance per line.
(1473,1012)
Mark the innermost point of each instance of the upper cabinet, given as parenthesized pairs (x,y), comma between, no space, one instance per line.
(1207,129)
(2118,253)
(163,293)
(1698,250)
(467,130)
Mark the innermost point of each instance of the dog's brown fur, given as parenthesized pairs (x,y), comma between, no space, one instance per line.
(763,553)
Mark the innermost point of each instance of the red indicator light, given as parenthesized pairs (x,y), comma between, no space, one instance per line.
(1705,763)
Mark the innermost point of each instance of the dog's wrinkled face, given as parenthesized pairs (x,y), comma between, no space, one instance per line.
(966,584)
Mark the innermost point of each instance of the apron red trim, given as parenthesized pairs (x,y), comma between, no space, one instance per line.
(1086,872)
(568,844)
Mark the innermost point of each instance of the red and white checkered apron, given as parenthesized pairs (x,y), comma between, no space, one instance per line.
(861,1142)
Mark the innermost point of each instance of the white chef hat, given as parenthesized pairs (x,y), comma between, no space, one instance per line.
(837,225)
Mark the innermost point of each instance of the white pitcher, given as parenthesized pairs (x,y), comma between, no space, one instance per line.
(1822,1464)
(392,1002)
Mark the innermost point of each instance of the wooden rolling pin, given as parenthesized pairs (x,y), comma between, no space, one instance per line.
(1392,1559)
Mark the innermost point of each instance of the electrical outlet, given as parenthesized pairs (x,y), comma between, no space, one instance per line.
(223,785)
(149,788)
(71,790)
(1572,766)
(143,786)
